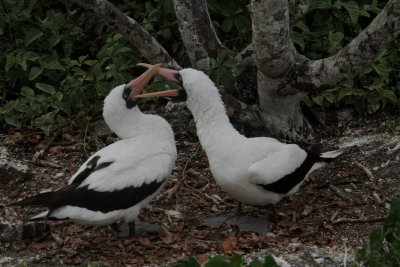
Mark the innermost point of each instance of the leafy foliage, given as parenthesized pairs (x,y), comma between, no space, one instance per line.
(329,26)
(384,245)
(235,261)
(57,60)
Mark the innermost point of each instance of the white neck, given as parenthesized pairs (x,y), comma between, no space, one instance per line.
(212,123)
(139,124)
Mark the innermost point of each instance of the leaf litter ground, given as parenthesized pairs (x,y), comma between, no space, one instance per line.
(337,207)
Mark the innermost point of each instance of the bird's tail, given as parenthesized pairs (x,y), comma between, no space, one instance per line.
(42,199)
(331,155)
(39,217)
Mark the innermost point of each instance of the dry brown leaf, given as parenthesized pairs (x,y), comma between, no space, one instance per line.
(327,226)
(40,245)
(166,236)
(229,244)
(56,150)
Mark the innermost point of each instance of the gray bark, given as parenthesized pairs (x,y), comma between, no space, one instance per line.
(275,55)
(353,58)
(198,35)
(283,72)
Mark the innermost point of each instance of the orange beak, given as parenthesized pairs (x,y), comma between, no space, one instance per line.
(138,84)
(168,74)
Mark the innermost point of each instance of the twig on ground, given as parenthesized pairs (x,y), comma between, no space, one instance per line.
(175,188)
(339,192)
(350,220)
(377,198)
(38,155)
(339,183)
(366,170)
(46,163)
(334,216)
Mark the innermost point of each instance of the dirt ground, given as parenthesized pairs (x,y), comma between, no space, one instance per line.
(338,206)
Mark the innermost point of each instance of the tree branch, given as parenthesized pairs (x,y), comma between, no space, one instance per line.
(302,7)
(353,58)
(131,30)
(198,34)
(273,48)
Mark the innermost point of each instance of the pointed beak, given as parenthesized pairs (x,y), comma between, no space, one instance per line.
(138,84)
(167,73)
(178,94)
(167,93)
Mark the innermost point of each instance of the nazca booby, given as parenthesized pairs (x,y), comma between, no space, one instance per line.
(118,180)
(255,171)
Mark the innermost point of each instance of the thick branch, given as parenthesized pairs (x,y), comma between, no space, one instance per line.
(131,30)
(353,58)
(273,48)
(197,32)
(245,115)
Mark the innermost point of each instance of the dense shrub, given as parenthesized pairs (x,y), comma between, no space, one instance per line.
(56,58)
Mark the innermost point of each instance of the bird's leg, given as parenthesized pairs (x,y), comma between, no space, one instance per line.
(269,210)
(148,228)
(238,210)
(134,228)
(124,229)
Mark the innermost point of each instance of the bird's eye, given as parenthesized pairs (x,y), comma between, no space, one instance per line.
(126,93)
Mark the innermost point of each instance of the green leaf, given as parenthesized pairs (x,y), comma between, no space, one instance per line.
(390,95)
(382,69)
(227,24)
(297,38)
(353,10)
(31,35)
(335,38)
(51,63)
(34,73)
(10,106)
(28,8)
(121,50)
(32,56)
(236,261)
(191,262)
(256,263)
(229,63)
(242,24)
(217,261)
(20,59)
(10,62)
(27,92)
(320,4)
(54,40)
(46,88)
(319,100)
(344,92)
(13,121)
(270,262)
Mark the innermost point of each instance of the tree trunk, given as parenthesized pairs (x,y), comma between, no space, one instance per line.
(282,71)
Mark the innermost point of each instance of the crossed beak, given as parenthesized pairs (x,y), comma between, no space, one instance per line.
(168,74)
(137,85)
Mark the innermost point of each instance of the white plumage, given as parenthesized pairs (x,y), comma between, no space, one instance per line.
(118,180)
(256,171)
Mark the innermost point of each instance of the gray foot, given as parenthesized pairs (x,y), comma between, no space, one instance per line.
(134,229)
(149,228)
(124,229)
(245,223)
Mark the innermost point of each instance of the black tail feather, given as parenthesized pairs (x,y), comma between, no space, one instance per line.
(42,199)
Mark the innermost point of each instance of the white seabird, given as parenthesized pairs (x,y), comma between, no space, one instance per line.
(118,180)
(256,171)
